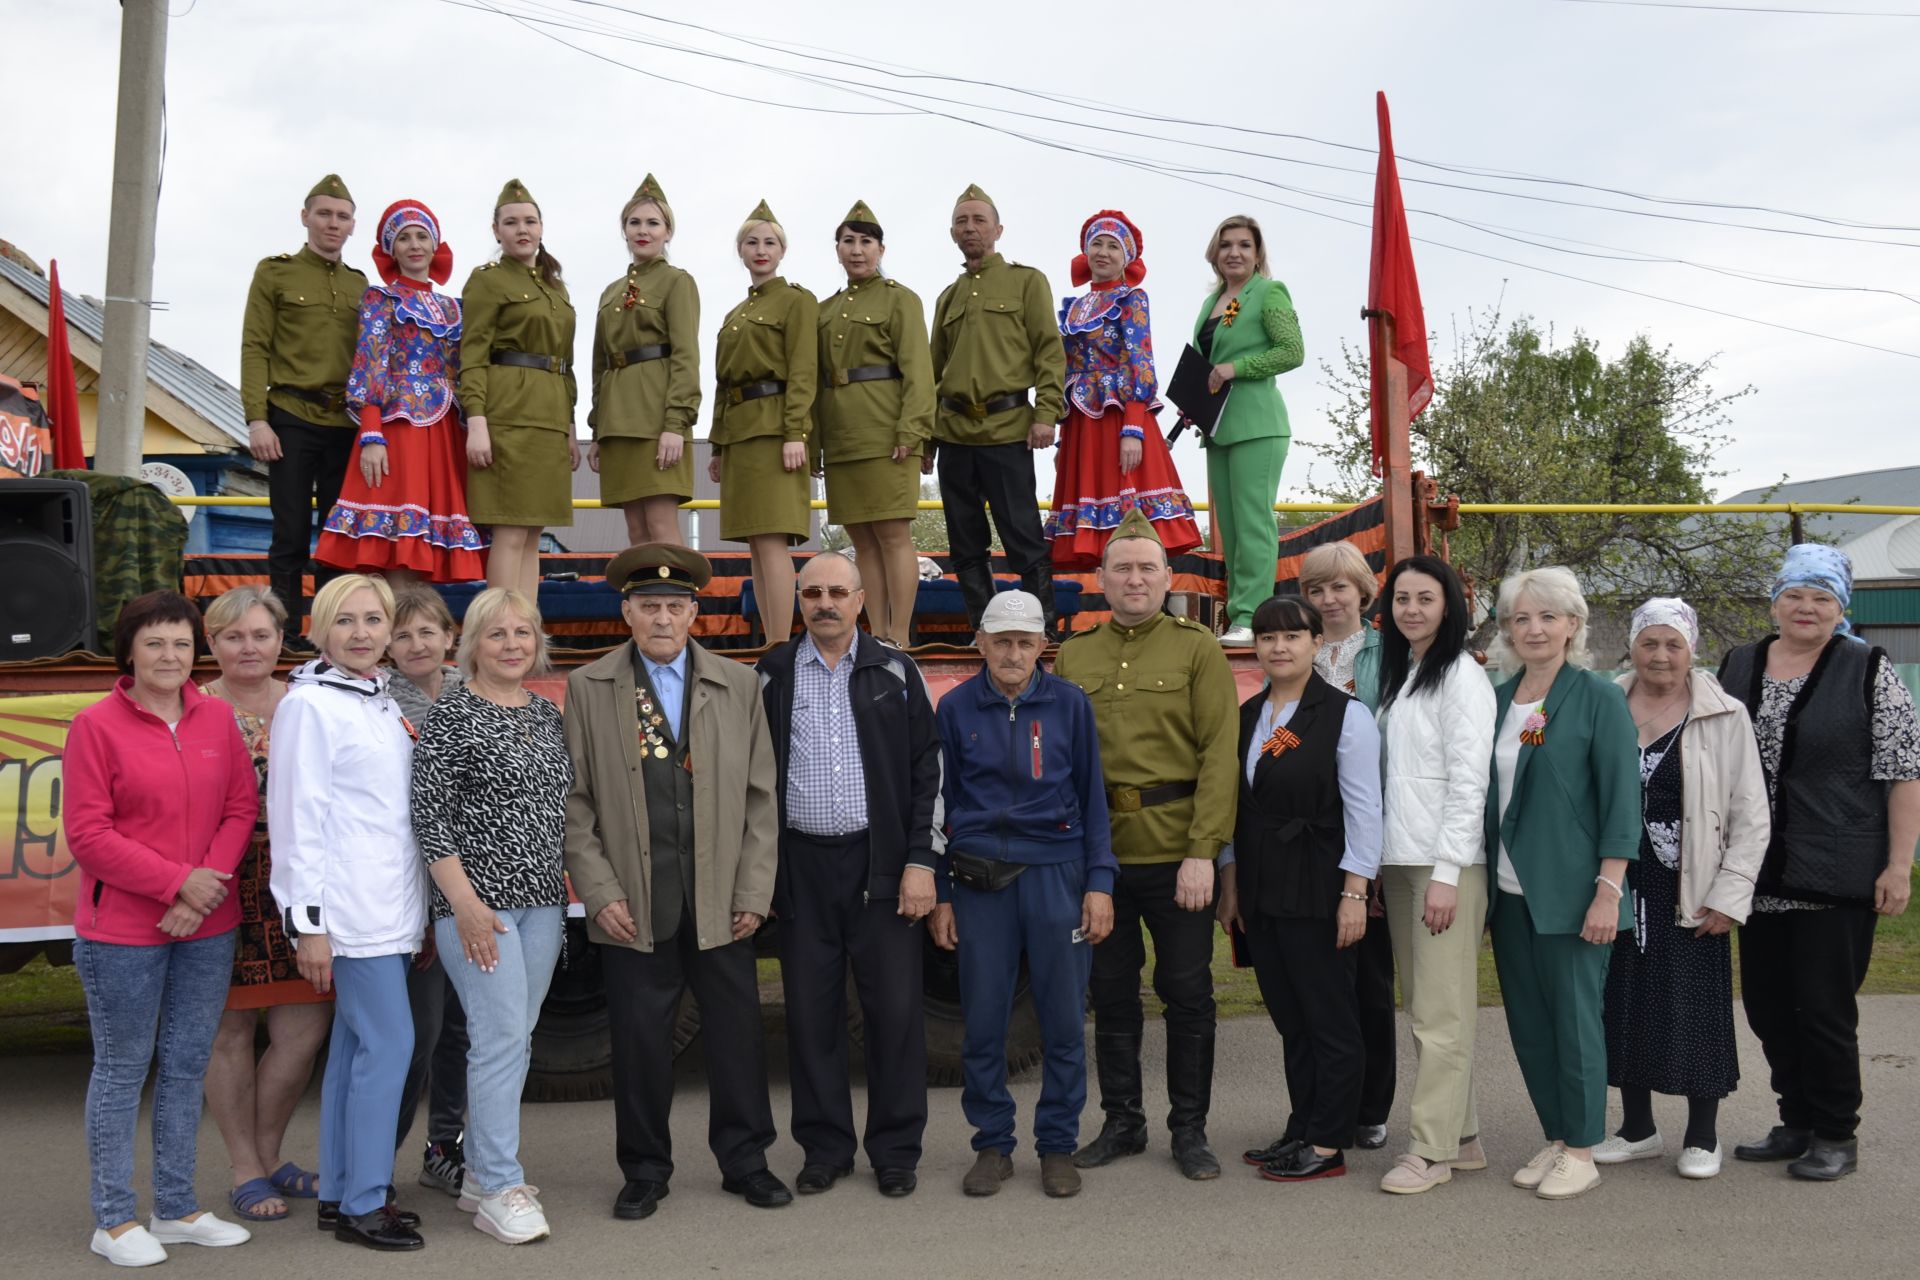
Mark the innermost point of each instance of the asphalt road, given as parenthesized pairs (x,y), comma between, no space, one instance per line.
(1137,1219)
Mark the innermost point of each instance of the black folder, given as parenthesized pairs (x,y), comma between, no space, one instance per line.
(1199,407)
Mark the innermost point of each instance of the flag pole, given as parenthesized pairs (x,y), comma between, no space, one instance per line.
(1397,463)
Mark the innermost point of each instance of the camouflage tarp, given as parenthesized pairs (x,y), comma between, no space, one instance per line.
(138,541)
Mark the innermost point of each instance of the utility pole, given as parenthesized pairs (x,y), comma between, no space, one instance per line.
(135,209)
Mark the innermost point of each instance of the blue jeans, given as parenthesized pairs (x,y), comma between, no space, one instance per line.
(172,993)
(366,1069)
(1039,914)
(502,1008)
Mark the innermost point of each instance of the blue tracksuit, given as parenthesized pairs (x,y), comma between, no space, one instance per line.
(1022,783)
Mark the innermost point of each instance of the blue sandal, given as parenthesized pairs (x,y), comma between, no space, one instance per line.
(249,1195)
(295,1183)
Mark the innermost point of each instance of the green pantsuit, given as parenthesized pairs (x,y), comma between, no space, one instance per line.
(1552,984)
(1243,479)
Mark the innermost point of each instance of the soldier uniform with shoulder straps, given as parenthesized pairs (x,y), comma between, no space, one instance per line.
(1167,710)
(296,348)
(516,371)
(1000,368)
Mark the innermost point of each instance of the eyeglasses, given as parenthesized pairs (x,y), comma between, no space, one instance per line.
(814,593)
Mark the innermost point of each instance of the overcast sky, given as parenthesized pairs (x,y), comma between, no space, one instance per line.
(445,99)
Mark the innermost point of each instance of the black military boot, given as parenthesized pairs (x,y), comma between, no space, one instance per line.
(976,588)
(1190,1093)
(1117,1057)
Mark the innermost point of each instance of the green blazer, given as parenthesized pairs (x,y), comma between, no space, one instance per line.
(1576,799)
(1263,340)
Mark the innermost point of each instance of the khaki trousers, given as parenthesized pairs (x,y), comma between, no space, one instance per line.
(1439,984)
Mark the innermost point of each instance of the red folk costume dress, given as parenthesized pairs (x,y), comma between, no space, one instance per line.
(401,387)
(1111,396)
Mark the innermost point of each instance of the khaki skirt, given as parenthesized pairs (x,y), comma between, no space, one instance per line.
(628,471)
(759,496)
(873,489)
(529,484)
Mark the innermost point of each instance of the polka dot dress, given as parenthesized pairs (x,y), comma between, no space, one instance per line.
(1669,1001)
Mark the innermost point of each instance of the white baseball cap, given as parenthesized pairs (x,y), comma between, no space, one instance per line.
(1013,611)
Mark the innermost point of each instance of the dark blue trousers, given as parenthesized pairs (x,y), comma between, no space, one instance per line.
(1038,915)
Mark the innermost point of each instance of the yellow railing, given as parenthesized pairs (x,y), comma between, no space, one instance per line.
(1466,508)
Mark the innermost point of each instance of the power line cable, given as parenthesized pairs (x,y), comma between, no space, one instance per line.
(1747,8)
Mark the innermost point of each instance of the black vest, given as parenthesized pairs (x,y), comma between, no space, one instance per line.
(669,785)
(1291,831)
(1829,816)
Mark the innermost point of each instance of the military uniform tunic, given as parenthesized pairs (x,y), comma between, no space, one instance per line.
(994,333)
(506,306)
(302,323)
(874,323)
(772,336)
(1167,710)
(654,304)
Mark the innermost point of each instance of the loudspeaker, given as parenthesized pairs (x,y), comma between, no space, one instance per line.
(46,568)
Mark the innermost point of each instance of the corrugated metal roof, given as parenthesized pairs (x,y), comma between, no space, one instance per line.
(186,379)
(1890,487)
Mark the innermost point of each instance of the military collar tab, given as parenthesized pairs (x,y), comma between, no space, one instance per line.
(1138,628)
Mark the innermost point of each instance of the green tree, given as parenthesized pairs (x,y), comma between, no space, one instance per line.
(1518,417)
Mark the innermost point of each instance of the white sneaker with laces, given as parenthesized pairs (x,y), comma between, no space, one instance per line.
(1619,1150)
(134,1247)
(1568,1177)
(512,1216)
(1237,638)
(1698,1162)
(205,1229)
(1529,1176)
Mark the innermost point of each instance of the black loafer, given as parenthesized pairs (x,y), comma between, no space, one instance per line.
(815,1178)
(1781,1143)
(1371,1137)
(384,1229)
(760,1189)
(1272,1151)
(1304,1164)
(329,1213)
(639,1198)
(1826,1161)
(896,1182)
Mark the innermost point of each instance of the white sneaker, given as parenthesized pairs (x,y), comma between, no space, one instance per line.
(1529,1175)
(512,1216)
(135,1247)
(205,1229)
(1569,1176)
(1619,1150)
(1698,1162)
(1237,638)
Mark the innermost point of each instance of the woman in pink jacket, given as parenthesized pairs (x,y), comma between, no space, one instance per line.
(160,800)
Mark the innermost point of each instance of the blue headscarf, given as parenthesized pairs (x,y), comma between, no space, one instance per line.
(1824,568)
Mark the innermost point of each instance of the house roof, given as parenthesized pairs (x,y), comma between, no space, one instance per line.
(197,389)
(1889,487)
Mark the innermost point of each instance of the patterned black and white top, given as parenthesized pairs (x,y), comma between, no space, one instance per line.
(490,786)
(1896,742)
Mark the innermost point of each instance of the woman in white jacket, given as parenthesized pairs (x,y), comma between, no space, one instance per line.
(348,876)
(1436,723)
(1704,831)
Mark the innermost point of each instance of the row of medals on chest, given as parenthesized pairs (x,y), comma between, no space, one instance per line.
(653,740)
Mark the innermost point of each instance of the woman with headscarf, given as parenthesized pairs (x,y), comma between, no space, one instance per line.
(1112,457)
(1841,749)
(1703,832)
(403,509)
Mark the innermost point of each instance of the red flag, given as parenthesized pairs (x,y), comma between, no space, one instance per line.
(63,395)
(1394,290)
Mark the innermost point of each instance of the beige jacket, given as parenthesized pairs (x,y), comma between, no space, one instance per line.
(1725,820)
(735,821)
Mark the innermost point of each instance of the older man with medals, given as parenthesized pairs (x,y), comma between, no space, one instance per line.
(672,832)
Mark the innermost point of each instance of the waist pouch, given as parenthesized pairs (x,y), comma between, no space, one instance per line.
(986,875)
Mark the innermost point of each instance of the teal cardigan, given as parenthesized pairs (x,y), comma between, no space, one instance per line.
(1263,340)
(1576,799)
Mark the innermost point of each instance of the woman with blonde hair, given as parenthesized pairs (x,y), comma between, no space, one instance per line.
(1562,823)
(1248,331)
(646,376)
(767,365)
(490,780)
(253,1101)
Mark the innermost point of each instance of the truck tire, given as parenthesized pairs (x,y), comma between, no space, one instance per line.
(946,1031)
(572,1059)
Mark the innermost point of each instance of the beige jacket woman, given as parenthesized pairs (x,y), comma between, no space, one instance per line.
(1725,821)
(735,822)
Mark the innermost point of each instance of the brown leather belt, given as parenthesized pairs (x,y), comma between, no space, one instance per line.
(528,360)
(746,391)
(332,399)
(1131,799)
(640,355)
(995,404)
(868,373)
